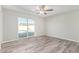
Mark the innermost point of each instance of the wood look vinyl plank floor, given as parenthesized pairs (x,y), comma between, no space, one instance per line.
(42,44)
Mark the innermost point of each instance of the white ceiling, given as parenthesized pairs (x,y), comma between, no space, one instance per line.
(57,9)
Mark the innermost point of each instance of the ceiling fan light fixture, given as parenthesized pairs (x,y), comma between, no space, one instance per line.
(43,9)
(41,12)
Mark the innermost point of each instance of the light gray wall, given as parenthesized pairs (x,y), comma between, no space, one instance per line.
(65,26)
(1,25)
(11,26)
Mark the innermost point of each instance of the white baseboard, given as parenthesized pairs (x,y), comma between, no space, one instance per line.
(42,35)
(8,41)
(64,38)
(19,39)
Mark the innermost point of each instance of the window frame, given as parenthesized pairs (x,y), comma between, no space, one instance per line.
(27,27)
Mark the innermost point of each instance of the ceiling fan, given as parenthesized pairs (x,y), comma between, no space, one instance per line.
(43,9)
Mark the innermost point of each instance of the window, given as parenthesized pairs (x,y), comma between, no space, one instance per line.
(30,27)
(26,27)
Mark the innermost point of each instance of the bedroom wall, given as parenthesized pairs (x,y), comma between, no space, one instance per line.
(1,25)
(10,24)
(64,26)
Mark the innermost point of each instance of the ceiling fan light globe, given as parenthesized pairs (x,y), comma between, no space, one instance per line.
(41,12)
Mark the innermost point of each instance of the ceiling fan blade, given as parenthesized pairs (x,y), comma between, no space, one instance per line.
(49,10)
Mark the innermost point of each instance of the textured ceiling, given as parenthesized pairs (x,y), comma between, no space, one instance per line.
(57,9)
